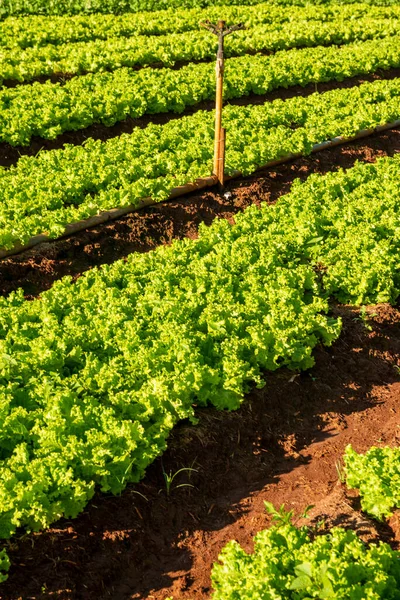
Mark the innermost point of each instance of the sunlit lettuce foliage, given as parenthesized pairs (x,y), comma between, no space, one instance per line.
(34,31)
(95,374)
(106,55)
(60,7)
(376,474)
(288,564)
(49,109)
(73,7)
(45,193)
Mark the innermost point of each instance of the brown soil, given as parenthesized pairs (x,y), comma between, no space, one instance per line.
(9,155)
(284,445)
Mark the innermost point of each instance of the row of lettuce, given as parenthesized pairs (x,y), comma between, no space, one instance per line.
(107,55)
(36,31)
(292,562)
(44,194)
(83,407)
(49,109)
(76,7)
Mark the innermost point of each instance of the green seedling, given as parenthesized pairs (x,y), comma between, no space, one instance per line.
(169,479)
(283,517)
(364,317)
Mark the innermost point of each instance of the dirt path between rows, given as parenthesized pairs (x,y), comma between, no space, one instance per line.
(284,445)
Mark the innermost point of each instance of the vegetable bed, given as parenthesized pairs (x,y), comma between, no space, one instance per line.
(214,491)
(191,370)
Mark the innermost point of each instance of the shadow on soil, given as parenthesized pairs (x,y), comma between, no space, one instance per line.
(132,545)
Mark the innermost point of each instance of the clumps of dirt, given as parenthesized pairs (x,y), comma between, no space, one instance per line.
(340,508)
(394,524)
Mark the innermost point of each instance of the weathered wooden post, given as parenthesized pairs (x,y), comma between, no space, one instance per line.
(221,31)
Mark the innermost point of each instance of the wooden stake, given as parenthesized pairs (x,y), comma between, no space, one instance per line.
(221,31)
(221,158)
(219,72)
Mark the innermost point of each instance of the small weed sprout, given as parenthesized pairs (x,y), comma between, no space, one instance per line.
(279,516)
(285,517)
(364,317)
(169,479)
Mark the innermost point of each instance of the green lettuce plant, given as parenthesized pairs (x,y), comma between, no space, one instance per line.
(290,564)
(376,474)
(95,374)
(49,109)
(33,31)
(43,194)
(73,7)
(112,53)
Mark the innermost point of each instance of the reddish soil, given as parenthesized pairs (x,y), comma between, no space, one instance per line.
(284,445)
(9,155)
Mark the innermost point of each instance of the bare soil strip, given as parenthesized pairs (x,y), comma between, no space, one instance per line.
(9,155)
